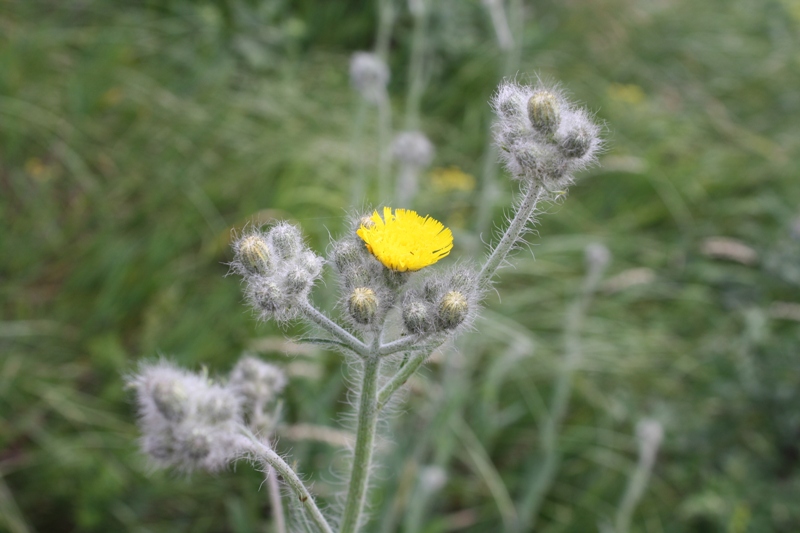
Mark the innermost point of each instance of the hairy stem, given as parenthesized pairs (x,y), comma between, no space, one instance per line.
(400,378)
(317,317)
(403,343)
(488,187)
(365,440)
(633,493)
(385,22)
(384,148)
(416,76)
(274,490)
(359,190)
(268,455)
(521,218)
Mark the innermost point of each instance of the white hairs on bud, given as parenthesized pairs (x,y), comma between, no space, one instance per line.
(413,148)
(255,381)
(276,292)
(548,156)
(369,75)
(187,421)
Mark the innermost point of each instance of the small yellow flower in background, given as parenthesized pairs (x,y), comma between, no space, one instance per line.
(627,94)
(451,179)
(404,241)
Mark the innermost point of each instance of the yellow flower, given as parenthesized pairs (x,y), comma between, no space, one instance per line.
(404,240)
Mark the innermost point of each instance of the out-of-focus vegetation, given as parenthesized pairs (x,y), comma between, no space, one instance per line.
(135,136)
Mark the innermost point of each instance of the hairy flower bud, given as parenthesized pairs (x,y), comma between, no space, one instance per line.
(577,142)
(541,137)
(432,479)
(252,251)
(432,289)
(287,240)
(413,148)
(597,256)
(416,317)
(196,444)
(266,296)
(347,254)
(363,305)
(365,221)
(218,405)
(169,396)
(297,281)
(452,310)
(255,381)
(369,75)
(186,421)
(544,112)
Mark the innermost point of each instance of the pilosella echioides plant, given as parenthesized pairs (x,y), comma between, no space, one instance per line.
(396,306)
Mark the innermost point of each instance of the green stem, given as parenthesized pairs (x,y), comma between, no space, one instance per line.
(633,493)
(384,142)
(359,192)
(275,500)
(268,455)
(403,343)
(385,22)
(521,218)
(365,440)
(316,316)
(400,378)
(416,76)
(489,188)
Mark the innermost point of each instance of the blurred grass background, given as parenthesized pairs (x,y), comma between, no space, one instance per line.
(135,136)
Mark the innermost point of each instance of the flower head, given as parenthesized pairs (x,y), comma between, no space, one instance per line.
(404,241)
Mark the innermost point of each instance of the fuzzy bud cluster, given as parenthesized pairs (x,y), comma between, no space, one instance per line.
(369,75)
(413,149)
(597,257)
(543,138)
(444,303)
(192,423)
(368,289)
(278,268)
(257,384)
(187,421)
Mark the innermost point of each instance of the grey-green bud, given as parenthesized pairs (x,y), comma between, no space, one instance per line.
(297,280)
(452,310)
(363,305)
(347,254)
(543,111)
(196,444)
(287,240)
(253,253)
(576,143)
(268,297)
(509,108)
(170,398)
(416,317)
(431,290)
(218,406)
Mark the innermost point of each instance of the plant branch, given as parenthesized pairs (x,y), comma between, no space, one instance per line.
(316,316)
(521,218)
(398,345)
(268,455)
(400,378)
(275,499)
(365,441)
